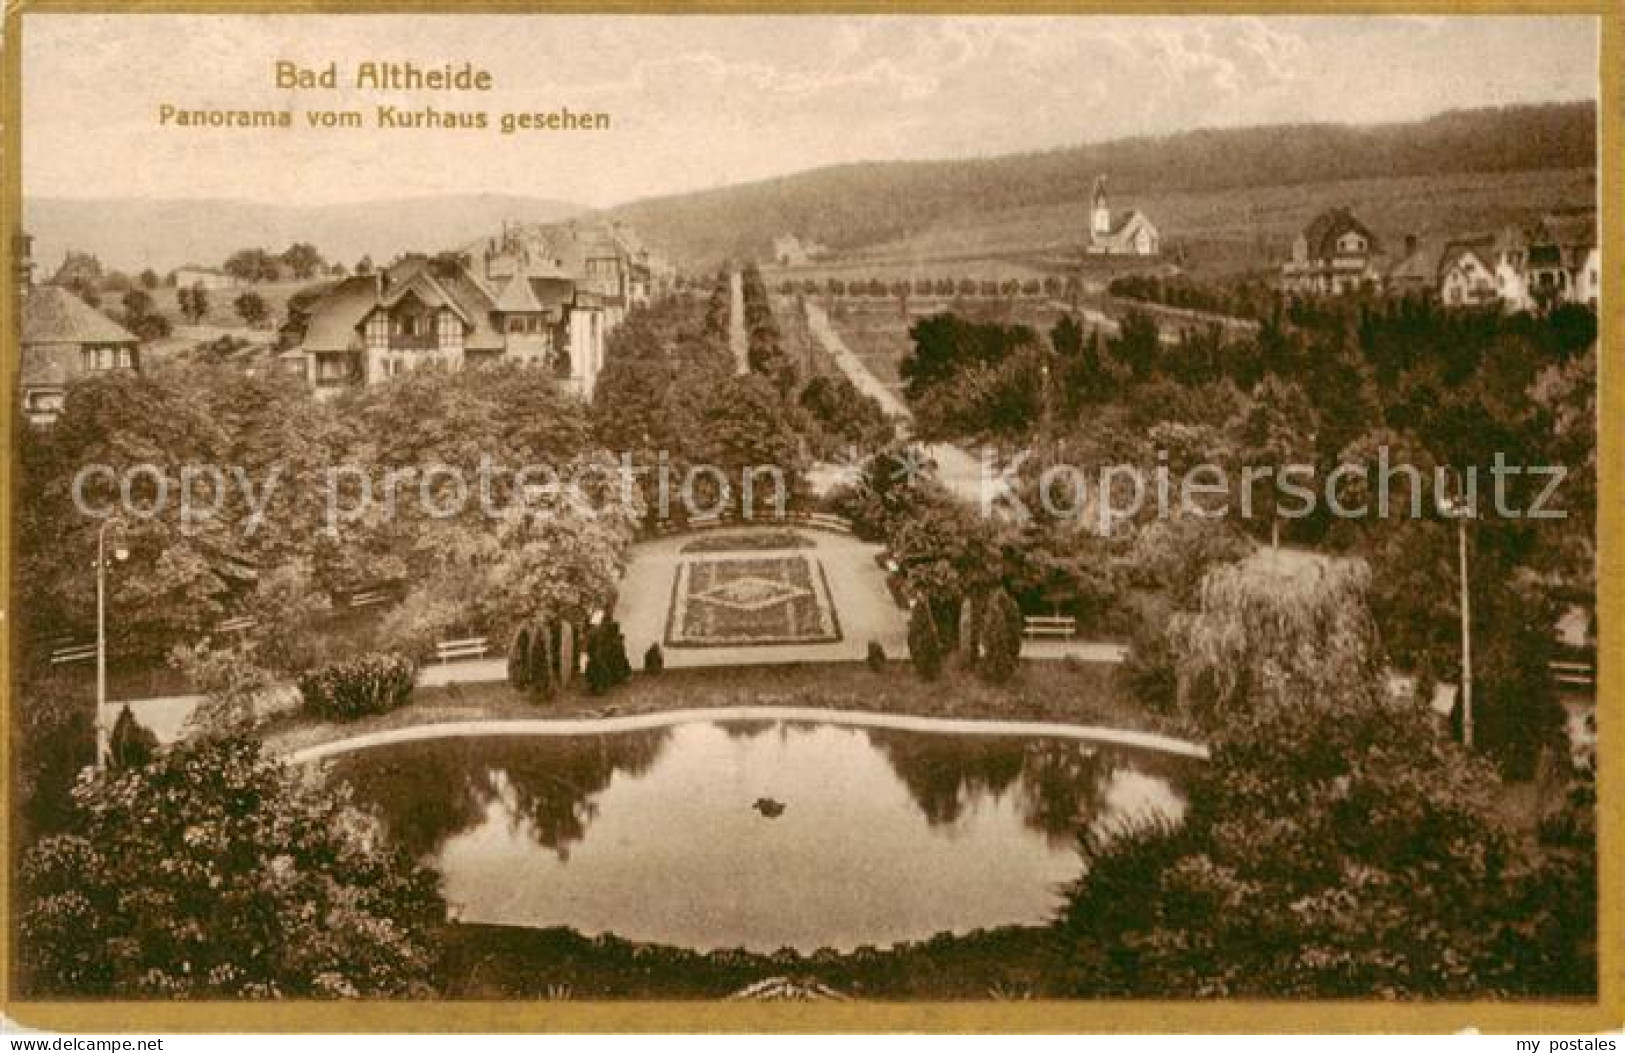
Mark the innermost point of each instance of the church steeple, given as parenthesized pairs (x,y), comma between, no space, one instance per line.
(1100,217)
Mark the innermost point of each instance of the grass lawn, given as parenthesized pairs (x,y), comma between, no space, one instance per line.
(1068,691)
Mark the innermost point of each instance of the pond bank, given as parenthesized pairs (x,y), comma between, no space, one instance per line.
(609,725)
(1078,699)
(496,961)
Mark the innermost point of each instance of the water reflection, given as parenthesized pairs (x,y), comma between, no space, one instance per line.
(884,835)
(546,787)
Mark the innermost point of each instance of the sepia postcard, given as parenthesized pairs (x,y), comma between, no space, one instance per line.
(1063,519)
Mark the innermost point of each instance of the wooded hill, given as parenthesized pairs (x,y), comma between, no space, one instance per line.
(851,206)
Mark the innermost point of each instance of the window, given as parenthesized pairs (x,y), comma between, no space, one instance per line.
(408,325)
(448,331)
(124,358)
(378,331)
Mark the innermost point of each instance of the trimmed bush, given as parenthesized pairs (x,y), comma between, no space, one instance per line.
(358,687)
(654,659)
(607,664)
(876,656)
(924,643)
(568,660)
(1001,638)
(542,677)
(132,744)
(519,659)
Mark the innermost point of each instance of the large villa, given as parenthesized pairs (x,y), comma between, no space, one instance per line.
(544,296)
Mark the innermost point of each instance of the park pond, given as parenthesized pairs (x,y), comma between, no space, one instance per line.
(725,832)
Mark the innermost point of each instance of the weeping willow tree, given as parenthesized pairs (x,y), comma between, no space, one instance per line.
(1335,845)
(1272,632)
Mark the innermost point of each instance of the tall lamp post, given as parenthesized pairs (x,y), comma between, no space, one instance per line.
(120,553)
(1459,509)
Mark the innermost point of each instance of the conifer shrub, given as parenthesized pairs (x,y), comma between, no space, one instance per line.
(607,664)
(654,659)
(132,744)
(924,642)
(1000,638)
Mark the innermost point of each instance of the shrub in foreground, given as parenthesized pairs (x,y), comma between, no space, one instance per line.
(358,687)
(213,871)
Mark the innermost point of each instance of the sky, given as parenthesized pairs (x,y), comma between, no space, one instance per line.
(700,101)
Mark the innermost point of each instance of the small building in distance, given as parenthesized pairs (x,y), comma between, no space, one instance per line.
(1417,272)
(1334,255)
(79,270)
(605,258)
(63,338)
(1551,261)
(209,277)
(791,251)
(1467,273)
(1129,233)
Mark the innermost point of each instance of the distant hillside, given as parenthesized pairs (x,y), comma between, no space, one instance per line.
(849,207)
(130,234)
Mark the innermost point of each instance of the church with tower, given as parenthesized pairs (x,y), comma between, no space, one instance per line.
(1128,233)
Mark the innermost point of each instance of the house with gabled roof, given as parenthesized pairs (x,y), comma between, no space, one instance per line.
(446,311)
(64,338)
(607,259)
(1335,254)
(1467,275)
(1417,272)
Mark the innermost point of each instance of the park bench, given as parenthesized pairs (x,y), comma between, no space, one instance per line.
(73,653)
(838,524)
(236,625)
(1049,625)
(1574,674)
(369,598)
(450,650)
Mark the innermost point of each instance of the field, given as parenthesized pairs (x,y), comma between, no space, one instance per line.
(734,602)
(221,314)
(877,332)
(1219,232)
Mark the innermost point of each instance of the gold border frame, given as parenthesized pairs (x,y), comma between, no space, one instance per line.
(1607,1013)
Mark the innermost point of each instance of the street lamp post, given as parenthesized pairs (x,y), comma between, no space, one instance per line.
(119,553)
(1459,509)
